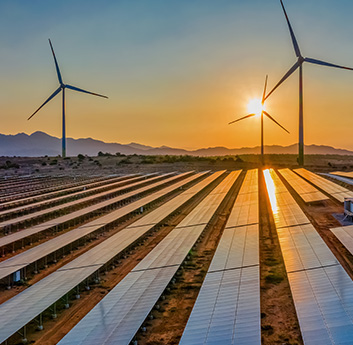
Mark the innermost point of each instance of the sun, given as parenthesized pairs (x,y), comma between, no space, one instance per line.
(255,106)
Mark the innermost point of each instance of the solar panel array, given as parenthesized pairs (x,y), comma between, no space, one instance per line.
(79,203)
(33,192)
(24,259)
(116,319)
(322,290)
(305,190)
(227,309)
(24,307)
(335,190)
(65,190)
(67,197)
(17,236)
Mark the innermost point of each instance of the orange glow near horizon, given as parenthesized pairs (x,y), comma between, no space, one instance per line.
(271,190)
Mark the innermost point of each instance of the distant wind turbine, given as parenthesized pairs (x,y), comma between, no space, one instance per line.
(299,64)
(263,111)
(62,88)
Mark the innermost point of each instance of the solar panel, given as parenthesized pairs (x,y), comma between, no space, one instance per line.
(76,214)
(46,203)
(340,178)
(336,191)
(322,290)
(129,303)
(227,309)
(324,303)
(303,248)
(343,173)
(305,190)
(117,317)
(73,204)
(66,189)
(345,235)
(40,194)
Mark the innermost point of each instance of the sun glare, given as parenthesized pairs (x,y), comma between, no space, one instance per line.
(255,106)
(271,189)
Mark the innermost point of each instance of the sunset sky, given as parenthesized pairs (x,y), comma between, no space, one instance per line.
(176,72)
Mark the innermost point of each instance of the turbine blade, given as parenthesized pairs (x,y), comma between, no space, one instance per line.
(287,75)
(323,63)
(50,98)
(264,94)
(84,91)
(271,118)
(245,117)
(56,64)
(294,40)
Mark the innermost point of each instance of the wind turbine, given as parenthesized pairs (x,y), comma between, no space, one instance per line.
(62,88)
(263,112)
(299,64)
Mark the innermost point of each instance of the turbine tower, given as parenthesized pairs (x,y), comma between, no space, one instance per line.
(62,88)
(299,64)
(263,112)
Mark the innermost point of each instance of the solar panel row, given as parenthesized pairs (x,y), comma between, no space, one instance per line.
(87,190)
(32,255)
(24,259)
(23,308)
(22,193)
(348,174)
(65,190)
(347,180)
(335,190)
(305,190)
(20,235)
(116,319)
(76,203)
(321,289)
(227,309)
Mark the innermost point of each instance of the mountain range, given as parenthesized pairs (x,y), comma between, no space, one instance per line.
(41,144)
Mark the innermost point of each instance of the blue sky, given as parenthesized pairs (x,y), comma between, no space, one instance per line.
(176,72)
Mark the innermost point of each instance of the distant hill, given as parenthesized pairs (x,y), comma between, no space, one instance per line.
(41,144)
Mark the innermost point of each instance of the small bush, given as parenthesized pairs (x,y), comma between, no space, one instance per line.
(274,279)
(9,165)
(125,161)
(271,262)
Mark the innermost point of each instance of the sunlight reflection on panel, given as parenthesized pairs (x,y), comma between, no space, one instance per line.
(271,189)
